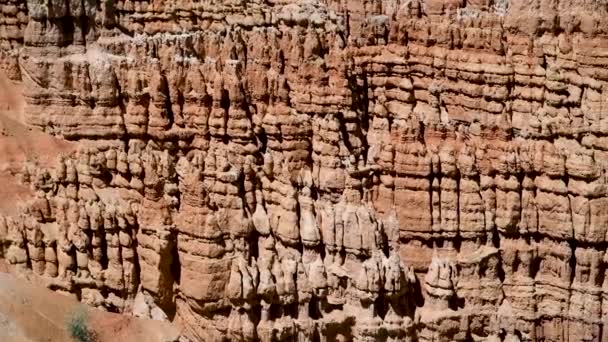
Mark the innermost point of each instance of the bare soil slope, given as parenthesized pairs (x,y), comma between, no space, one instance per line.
(32,313)
(19,143)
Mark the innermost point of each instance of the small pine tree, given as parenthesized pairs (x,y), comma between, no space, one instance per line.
(78,327)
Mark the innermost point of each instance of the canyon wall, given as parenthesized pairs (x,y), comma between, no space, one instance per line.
(419,170)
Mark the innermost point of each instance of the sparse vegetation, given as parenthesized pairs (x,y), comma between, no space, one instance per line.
(78,327)
(467,13)
(501,7)
(435,88)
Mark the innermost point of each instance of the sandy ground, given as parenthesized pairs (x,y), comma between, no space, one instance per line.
(32,313)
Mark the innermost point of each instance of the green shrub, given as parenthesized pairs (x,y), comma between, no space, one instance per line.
(79,329)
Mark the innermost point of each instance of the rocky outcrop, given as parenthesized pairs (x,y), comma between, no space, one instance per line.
(301,170)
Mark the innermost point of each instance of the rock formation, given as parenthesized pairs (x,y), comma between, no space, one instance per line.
(421,170)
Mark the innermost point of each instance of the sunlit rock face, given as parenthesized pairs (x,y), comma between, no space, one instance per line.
(303,170)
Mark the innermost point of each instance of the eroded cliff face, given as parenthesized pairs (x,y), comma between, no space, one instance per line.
(301,170)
